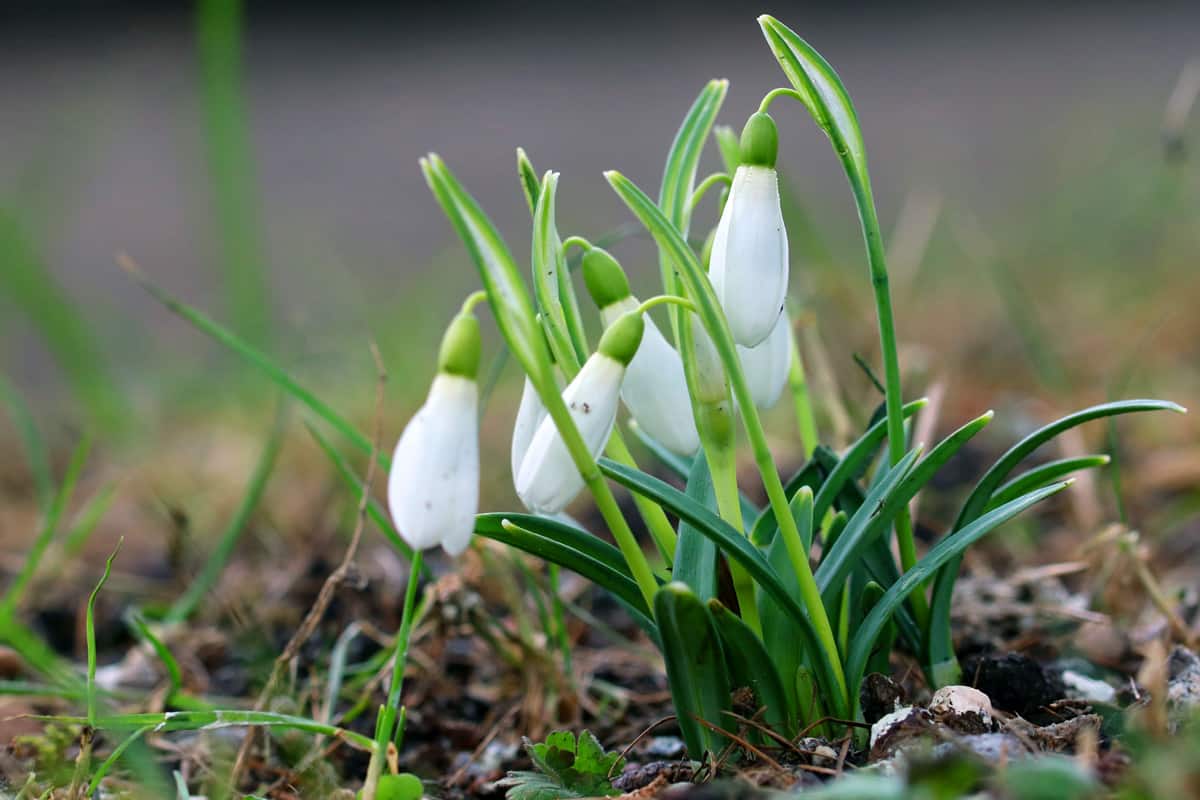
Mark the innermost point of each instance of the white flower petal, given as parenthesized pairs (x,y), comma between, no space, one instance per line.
(750,262)
(766,366)
(655,389)
(433,487)
(548,479)
(530,414)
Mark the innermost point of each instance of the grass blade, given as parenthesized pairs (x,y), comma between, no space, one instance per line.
(215,564)
(1041,476)
(36,454)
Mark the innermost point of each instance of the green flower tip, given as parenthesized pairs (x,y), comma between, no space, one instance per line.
(461,344)
(606,281)
(621,339)
(760,141)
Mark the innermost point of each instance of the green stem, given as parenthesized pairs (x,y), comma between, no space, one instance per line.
(385,725)
(798,384)
(575,241)
(706,184)
(652,515)
(722,465)
(876,258)
(774,94)
(474,299)
(666,299)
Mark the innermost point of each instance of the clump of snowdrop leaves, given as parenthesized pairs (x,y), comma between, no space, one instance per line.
(818,598)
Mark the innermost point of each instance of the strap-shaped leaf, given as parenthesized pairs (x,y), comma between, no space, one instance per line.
(856,458)
(1042,475)
(501,279)
(683,159)
(884,502)
(695,666)
(821,91)
(546,251)
(949,548)
(695,553)
(941,648)
(530,185)
(869,521)
(738,548)
(750,665)
(561,544)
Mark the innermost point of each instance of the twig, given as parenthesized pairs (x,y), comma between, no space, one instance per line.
(332,583)
(638,738)
(483,743)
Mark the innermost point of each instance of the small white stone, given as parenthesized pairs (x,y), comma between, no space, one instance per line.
(1086,688)
(961,700)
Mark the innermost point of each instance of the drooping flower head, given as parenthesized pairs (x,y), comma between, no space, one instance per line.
(655,389)
(548,479)
(749,262)
(433,486)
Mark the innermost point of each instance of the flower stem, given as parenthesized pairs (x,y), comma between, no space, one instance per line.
(473,299)
(386,729)
(657,524)
(666,299)
(891,367)
(774,94)
(708,183)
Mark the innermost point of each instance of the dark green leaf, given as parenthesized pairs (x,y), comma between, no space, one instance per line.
(695,553)
(750,665)
(695,663)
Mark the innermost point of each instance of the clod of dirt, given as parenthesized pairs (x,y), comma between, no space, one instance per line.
(1060,737)
(904,726)
(962,709)
(1015,683)
(1183,683)
(879,696)
(1081,687)
(639,776)
(994,748)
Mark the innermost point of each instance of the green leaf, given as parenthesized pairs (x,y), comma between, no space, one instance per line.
(941,648)
(821,91)
(750,665)
(696,554)
(501,279)
(36,452)
(884,502)
(679,174)
(855,460)
(530,185)
(950,547)
(566,768)
(695,663)
(730,146)
(573,549)
(762,533)
(737,547)
(869,521)
(1041,475)
(551,284)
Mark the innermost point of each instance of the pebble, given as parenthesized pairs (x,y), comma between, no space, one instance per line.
(1183,683)
(903,726)
(1081,687)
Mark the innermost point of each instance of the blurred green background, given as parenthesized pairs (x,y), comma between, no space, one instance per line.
(1042,201)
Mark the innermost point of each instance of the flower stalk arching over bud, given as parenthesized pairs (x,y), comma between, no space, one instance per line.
(548,479)
(767,366)
(433,486)
(749,262)
(655,388)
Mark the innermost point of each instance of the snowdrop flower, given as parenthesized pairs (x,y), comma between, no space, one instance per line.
(749,262)
(766,366)
(548,479)
(530,414)
(655,389)
(433,488)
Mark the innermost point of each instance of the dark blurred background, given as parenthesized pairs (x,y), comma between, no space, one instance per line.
(1026,137)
